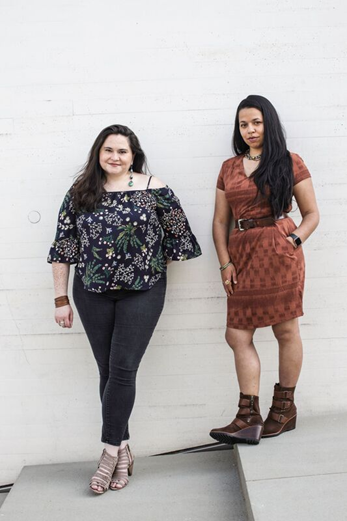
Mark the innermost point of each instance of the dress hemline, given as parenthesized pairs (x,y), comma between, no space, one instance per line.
(270,323)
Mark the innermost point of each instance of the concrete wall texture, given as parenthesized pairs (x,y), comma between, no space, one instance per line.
(174,72)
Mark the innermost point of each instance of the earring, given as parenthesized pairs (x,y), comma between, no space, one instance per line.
(131,170)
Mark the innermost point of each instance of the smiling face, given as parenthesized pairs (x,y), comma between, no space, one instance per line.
(115,156)
(251,125)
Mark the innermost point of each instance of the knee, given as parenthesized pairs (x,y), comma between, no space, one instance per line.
(229,340)
(103,370)
(123,376)
(286,334)
(233,342)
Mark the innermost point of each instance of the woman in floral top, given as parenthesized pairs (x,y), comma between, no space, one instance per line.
(121,228)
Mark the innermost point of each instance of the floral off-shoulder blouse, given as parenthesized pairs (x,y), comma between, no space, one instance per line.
(126,241)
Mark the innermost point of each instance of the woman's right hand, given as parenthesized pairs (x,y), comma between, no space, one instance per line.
(64,316)
(229,279)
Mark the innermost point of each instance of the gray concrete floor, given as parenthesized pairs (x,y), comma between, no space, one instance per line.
(300,475)
(3,496)
(183,487)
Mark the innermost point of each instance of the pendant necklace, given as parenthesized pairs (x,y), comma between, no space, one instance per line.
(131,182)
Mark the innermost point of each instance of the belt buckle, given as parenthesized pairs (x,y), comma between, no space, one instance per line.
(240,225)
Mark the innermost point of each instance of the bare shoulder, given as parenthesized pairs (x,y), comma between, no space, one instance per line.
(141,181)
(156,183)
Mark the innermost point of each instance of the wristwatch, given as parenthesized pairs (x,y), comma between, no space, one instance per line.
(296,239)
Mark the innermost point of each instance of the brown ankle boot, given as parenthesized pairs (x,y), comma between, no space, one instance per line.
(282,415)
(247,427)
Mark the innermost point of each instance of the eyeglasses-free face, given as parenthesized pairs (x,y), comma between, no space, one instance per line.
(251,127)
(115,156)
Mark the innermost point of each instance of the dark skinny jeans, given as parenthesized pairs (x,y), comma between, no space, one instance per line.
(119,325)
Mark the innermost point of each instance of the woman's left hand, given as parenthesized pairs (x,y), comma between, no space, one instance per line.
(291,240)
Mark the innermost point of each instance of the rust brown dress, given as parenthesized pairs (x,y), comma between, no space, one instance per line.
(270,271)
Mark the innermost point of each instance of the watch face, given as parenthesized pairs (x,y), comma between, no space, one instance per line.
(296,239)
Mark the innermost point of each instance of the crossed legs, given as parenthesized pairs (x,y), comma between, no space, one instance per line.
(119,325)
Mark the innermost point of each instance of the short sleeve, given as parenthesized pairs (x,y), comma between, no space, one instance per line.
(300,170)
(220,180)
(65,247)
(179,243)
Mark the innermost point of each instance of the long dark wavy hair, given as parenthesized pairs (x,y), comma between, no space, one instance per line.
(274,174)
(88,188)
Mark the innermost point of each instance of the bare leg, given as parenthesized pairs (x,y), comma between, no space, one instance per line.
(283,413)
(290,352)
(247,426)
(112,449)
(247,362)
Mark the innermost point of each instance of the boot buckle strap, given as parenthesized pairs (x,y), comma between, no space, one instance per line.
(245,411)
(283,405)
(242,424)
(280,418)
(244,402)
(283,394)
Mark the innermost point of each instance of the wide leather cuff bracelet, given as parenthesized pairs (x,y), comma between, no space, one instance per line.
(61,301)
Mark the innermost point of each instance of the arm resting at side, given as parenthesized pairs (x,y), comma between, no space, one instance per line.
(61,273)
(220,230)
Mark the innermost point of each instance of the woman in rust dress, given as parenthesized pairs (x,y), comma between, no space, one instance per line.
(262,263)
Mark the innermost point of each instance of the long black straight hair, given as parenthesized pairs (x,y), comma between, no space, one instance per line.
(274,174)
(89,186)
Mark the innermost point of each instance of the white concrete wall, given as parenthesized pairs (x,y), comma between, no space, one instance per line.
(174,72)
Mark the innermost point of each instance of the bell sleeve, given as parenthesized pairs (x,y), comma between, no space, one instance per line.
(65,247)
(179,243)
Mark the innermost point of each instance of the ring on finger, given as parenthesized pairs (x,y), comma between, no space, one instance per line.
(62,323)
(227,282)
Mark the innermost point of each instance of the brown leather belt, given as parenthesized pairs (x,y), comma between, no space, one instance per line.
(247,224)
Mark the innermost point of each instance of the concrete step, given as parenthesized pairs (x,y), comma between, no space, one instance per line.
(3,496)
(300,475)
(180,487)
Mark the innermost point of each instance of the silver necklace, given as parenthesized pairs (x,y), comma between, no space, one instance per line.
(252,158)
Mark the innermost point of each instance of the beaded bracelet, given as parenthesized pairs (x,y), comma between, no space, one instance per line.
(61,301)
(224,267)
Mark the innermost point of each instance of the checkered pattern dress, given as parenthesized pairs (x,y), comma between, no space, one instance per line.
(270,271)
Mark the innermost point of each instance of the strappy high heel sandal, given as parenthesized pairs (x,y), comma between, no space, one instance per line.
(123,469)
(103,475)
